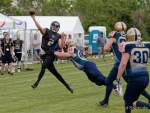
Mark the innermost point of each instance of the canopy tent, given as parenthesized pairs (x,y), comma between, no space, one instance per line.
(71,25)
(7,22)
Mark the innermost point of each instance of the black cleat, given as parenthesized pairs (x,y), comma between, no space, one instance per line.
(34,86)
(103,104)
(69,89)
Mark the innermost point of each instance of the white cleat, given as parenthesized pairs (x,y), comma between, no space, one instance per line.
(118,89)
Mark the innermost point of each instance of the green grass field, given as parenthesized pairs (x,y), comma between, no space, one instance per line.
(16,95)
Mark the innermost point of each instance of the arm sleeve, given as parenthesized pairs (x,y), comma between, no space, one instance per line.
(128,48)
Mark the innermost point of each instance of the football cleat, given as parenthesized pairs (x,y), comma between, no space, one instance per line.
(34,85)
(118,88)
(103,103)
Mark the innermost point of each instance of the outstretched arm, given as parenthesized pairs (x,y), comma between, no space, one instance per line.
(65,55)
(62,55)
(42,30)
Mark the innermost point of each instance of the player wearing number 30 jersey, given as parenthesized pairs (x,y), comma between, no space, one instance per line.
(134,64)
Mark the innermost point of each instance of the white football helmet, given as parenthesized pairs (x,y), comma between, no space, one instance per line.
(133,34)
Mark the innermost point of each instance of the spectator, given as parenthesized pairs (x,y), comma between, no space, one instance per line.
(101,41)
(36,44)
(18,46)
(7,51)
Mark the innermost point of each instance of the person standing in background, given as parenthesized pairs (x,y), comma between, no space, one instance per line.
(101,41)
(36,44)
(7,51)
(18,47)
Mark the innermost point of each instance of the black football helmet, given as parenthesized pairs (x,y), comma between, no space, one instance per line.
(55,26)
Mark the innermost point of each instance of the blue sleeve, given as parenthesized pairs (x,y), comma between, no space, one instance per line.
(148,45)
(117,35)
(128,48)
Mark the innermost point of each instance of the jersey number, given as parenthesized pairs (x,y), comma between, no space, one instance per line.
(141,57)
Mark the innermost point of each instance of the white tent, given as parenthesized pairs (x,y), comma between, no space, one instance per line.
(7,22)
(68,24)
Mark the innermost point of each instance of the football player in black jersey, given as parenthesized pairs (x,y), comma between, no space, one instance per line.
(51,42)
(7,50)
(18,46)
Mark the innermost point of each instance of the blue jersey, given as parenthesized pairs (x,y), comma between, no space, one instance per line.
(120,37)
(78,59)
(139,53)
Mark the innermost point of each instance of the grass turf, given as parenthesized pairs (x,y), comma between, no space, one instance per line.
(16,95)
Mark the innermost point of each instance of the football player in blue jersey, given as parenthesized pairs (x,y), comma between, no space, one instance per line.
(116,38)
(80,62)
(51,41)
(134,66)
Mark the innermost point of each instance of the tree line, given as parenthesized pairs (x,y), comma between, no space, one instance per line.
(135,13)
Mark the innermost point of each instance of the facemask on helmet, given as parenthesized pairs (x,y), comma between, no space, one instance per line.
(133,34)
(55,26)
(120,26)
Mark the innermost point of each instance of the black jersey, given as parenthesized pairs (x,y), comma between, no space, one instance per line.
(6,45)
(18,45)
(50,41)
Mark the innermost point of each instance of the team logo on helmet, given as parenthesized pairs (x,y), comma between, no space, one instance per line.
(55,26)
(120,26)
(133,34)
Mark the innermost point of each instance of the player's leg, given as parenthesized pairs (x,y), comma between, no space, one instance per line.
(10,66)
(144,93)
(93,74)
(3,64)
(109,85)
(140,104)
(2,68)
(132,93)
(41,74)
(18,55)
(53,70)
